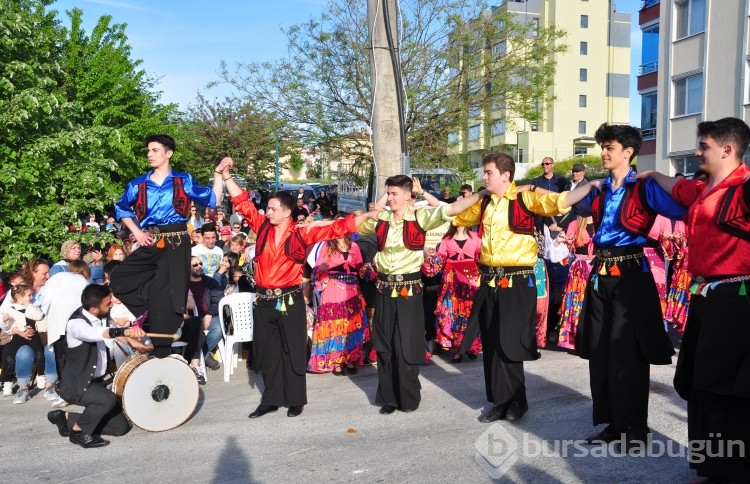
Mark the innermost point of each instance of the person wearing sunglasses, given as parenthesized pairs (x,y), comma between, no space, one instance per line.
(548,180)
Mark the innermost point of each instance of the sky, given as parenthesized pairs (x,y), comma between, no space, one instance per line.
(182,42)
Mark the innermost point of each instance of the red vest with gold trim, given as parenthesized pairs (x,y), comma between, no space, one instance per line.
(635,215)
(414,235)
(180,200)
(295,246)
(520,218)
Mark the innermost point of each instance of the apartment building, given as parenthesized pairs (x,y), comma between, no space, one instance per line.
(591,85)
(695,67)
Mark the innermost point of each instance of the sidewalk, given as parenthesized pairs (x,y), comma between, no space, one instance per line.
(341,437)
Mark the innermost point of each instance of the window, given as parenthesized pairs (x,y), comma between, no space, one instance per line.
(580,150)
(648,115)
(499,49)
(498,127)
(535,27)
(584,21)
(474,132)
(650,50)
(583,74)
(687,164)
(582,101)
(688,95)
(453,138)
(690,17)
(584,48)
(581,127)
(534,126)
(475,111)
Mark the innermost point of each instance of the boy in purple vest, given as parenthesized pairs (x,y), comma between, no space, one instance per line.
(620,330)
(155,208)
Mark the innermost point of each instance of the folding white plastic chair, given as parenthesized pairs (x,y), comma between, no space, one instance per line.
(241,310)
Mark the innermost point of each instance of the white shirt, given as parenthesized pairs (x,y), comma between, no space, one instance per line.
(62,296)
(79,332)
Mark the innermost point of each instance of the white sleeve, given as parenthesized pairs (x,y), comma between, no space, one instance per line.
(80,330)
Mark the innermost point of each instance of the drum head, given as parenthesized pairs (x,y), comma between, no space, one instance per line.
(160,394)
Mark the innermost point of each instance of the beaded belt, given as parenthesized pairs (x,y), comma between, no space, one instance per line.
(404,285)
(701,286)
(278,294)
(160,236)
(503,276)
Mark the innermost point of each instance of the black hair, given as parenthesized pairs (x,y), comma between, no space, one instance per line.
(727,131)
(285,199)
(208,228)
(627,136)
(93,294)
(466,186)
(110,267)
(163,139)
(502,161)
(401,181)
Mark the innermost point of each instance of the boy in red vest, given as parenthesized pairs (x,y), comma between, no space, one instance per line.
(713,368)
(155,208)
(621,331)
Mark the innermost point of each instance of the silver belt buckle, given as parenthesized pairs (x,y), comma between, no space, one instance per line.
(154,230)
(395,278)
(273,292)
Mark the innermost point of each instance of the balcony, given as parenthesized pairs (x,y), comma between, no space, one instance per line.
(649,3)
(648,67)
(648,133)
(649,11)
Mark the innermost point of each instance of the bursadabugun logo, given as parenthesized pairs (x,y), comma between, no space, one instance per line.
(497,451)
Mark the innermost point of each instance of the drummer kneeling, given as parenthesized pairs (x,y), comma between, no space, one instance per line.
(87,340)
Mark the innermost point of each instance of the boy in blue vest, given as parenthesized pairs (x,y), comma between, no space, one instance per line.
(155,208)
(621,331)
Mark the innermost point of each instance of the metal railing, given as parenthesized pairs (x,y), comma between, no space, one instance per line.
(648,133)
(648,67)
(649,3)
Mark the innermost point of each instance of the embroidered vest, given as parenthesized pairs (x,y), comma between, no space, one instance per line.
(180,200)
(733,213)
(520,218)
(295,246)
(635,215)
(414,235)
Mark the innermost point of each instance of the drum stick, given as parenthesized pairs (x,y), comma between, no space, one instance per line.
(163,335)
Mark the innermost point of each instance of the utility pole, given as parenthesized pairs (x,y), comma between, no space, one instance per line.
(388,146)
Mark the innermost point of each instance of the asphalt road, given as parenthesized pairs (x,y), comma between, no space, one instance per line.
(341,437)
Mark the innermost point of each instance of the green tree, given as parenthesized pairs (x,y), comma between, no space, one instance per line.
(323,85)
(59,151)
(212,130)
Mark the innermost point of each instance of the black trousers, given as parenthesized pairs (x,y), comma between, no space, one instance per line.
(395,340)
(622,333)
(713,375)
(280,350)
(156,279)
(193,335)
(500,310)
(102,414)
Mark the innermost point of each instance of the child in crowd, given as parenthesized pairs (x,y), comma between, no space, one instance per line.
(20,319)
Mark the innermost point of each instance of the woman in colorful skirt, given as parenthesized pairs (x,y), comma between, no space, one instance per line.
(579,233)
(341,322)
(458,250)
(675,249)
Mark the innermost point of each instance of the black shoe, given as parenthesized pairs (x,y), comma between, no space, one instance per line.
(294,411)
(637,436)
(495,413)
(471,356)
(516,411)
(262,410)
(199,375)
(211,362)
(87,441)
(456,358)
(609,434)
(57,417)
(387,409)
(352,371)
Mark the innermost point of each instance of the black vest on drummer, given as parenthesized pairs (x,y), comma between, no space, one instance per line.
(520,218)
(634,215)
(413,235)
(180,200)
(79,367)
(295,246)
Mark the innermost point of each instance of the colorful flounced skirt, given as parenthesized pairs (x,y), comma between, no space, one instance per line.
(341,327)
(572,304)
(458,289)
(678,297)
(542,302)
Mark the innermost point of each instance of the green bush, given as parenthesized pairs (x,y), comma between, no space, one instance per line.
(594,169)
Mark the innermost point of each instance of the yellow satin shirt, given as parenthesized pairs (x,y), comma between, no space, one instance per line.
(395,257)
(500,245)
